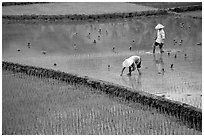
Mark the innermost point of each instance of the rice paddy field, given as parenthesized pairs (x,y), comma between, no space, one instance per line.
(86,8)
(193,14)
(40,106)
(98,50)
(31,105)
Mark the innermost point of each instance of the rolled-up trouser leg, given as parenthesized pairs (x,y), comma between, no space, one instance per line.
(160,47)
(130,70)
(154,47)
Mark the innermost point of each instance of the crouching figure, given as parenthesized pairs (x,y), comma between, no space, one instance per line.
(132,63)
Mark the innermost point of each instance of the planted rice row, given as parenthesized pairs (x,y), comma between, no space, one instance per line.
(188,114)
(33,105)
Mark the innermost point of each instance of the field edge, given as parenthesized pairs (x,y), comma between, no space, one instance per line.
(184,112)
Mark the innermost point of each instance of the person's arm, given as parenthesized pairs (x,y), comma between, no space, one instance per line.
(122,71)
(163,34)
(155,36)
(133,66)
(138,69)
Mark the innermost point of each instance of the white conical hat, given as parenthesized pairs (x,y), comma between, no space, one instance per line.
(127,63)
(159,26)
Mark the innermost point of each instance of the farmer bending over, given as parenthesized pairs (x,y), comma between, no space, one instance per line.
(132,62)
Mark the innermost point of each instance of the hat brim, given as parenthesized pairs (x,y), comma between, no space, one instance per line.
(159,26)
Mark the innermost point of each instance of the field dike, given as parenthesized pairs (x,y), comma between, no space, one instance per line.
(95,17)
(185,8)
(189,115)
(80,17)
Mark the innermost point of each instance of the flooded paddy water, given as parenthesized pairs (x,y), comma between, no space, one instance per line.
(97,49)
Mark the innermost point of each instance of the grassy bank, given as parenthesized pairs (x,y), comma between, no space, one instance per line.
(188,114)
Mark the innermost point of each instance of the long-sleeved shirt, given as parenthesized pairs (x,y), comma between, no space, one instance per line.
(135,59)
(160,36)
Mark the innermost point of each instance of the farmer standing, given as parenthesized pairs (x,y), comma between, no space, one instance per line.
(131,63)
(160,36)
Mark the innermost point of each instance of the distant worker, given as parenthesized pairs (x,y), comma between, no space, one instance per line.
(132,63)
(160,36)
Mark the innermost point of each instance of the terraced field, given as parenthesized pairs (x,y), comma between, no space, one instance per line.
(31,105)
(61,8)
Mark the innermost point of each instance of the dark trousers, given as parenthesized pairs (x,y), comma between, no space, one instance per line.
(160,47)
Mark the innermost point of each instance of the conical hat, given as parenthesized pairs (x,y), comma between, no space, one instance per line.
(127,63)
(159,26)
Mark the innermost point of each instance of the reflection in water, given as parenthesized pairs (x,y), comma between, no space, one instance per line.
(88,48)
(133,81)
(159,63)
(61,37)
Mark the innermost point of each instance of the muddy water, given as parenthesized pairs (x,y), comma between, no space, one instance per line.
(98,49)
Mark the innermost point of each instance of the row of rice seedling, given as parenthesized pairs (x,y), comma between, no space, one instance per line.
(185,90)
(83,17)
(188,114)
(62,108)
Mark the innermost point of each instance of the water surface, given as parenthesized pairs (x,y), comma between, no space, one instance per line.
(89,48)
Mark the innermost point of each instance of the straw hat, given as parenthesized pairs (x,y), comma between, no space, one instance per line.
(127,63)
(159,26)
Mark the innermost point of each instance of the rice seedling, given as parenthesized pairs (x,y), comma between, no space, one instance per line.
(53,80)
(77,119)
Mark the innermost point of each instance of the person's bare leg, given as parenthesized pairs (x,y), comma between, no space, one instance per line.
(130,70)
(161,48)
(139,71)
(133,66)
(154,47)
(122,71)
